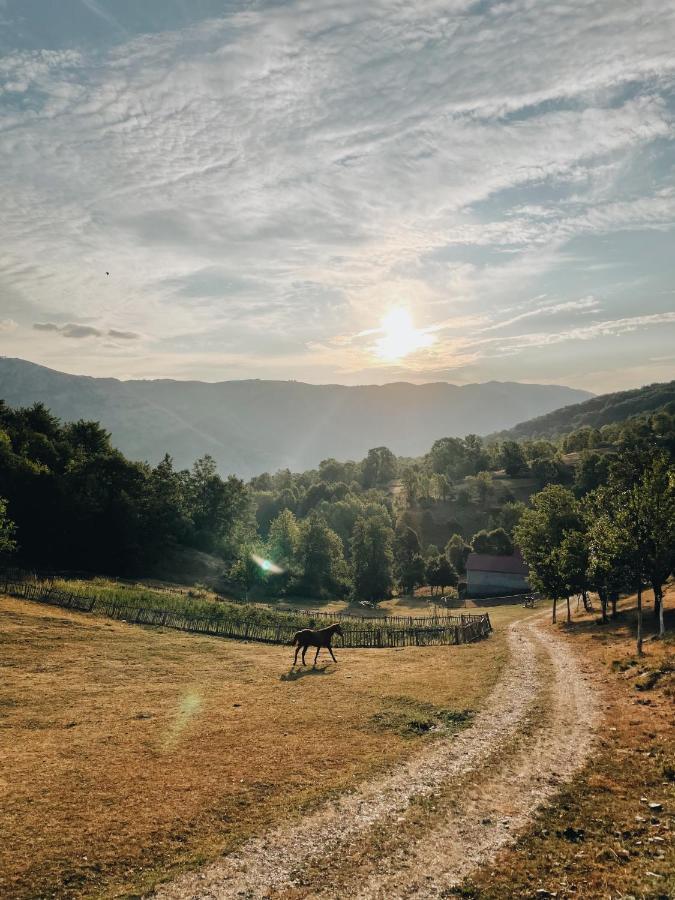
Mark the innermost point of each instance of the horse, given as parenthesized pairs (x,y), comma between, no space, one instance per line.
(318,638)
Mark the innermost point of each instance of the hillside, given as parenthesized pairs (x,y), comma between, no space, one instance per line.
(255,426)
(606,409)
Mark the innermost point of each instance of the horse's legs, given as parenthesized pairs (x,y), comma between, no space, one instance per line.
(330,650)
(297,650)
(318,650)
(304,650)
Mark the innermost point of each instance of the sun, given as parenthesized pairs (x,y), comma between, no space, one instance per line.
(399,336)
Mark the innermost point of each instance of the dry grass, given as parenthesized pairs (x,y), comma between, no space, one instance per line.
(128,753)
(601,840)
(501,614)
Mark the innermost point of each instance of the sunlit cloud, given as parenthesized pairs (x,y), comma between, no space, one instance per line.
(267,186)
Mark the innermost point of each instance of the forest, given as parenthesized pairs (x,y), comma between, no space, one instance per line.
(593,510)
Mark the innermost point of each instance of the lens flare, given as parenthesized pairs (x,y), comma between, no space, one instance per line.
(267,565)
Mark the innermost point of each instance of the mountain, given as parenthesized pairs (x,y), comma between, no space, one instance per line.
(604,410)
(255,426)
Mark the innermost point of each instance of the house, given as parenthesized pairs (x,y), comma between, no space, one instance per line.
(488,575)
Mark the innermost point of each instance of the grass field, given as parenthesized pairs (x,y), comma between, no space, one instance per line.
(127,753)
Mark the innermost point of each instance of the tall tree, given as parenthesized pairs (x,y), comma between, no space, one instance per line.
(379,468)
(373,558)
(321,557)
(540,533)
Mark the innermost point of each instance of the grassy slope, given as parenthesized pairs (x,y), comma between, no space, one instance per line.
(128,753)
(600,839)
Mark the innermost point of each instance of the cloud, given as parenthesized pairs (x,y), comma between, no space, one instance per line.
(123,335)
(79,331)
(74,330)
(70,330)
(273,178)
(7,325)
(585,305)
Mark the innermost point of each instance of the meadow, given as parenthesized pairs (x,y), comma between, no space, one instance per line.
(129,753)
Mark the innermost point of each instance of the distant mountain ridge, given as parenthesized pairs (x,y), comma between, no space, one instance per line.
(255,426)
(606,409)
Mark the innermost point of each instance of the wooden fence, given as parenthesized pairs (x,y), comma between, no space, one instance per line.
(460,629)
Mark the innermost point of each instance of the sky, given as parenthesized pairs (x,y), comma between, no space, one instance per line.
(351,192)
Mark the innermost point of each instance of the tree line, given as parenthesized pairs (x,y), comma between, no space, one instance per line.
(70,500)
(618,537)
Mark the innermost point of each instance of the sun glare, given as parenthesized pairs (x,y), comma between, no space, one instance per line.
(399,336)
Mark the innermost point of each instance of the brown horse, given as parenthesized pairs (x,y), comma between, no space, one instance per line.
(319,638)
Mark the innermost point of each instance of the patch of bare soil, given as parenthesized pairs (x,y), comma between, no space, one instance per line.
(419,830)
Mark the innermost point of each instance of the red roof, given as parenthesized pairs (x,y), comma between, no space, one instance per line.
(486,562)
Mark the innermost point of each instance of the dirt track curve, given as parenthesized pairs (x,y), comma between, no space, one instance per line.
(484,784)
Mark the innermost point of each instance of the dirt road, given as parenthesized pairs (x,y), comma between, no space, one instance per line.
(426,825)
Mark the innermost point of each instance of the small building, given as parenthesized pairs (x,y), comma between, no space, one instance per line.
(488,575)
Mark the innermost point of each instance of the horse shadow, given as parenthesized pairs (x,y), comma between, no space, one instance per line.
(294,674)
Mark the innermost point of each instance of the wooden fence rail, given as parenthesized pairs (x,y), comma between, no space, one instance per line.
(461,629)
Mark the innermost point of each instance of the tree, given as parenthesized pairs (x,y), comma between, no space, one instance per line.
(448,456)
(440,573)
(322,562)
(379,468)
(540,533)
(593,471)
(640,507)
(411,572)
(497,542)
(411,485)
(373,558)
(284,539)
(510,514)
(457,552)
(512,458)
(245,571)
(609,555)
(484,485)
(7,530)
(442,486)
(216,506)
(477,457)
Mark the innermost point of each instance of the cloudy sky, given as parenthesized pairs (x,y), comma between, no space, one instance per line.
(340,191)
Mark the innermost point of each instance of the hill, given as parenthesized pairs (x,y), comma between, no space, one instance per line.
(606,409)
(255,426)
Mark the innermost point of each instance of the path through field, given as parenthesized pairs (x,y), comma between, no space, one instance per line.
(423,827)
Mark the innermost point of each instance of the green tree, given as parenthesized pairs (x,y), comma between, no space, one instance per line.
(448,456)
(411,485)
(512,458)
(441,573)
(379,468)
(411,572)
(510,514)
(484,486)
(373,558)
(284,539)
(640,502)
(497,542)
(540,533)
(7,530)
(457,552)
(321,557)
